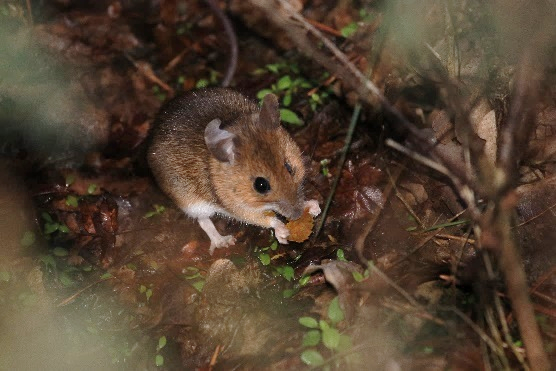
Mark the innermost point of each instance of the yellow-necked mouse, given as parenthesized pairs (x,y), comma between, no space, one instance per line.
(214,151)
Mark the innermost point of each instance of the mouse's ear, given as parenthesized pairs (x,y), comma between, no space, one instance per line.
(220,142)
(270,113)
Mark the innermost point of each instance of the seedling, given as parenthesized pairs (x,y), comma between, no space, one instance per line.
(325,332)
(158,209)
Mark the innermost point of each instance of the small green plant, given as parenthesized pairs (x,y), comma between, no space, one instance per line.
(325,332)
(148,291)
(158,209)
(159,358)
(324,167)
(194,275)
(289,83)
(159,94)
(50,226)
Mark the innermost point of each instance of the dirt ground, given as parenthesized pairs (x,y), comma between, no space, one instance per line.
(429,134)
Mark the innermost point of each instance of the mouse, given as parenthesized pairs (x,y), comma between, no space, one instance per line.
(215,152)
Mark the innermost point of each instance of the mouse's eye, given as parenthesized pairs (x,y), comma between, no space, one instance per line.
(288,167)
(261,185)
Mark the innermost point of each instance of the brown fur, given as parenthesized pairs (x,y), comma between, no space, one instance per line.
(188,172)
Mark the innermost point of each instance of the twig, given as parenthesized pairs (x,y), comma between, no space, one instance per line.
(347,144)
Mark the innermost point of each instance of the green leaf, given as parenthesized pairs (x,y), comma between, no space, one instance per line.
(91,188)
(357,276)
(312,357)
(161,343)
(159,360)
(106,276)
(70,178)
(142,289)
(60,251)
(261,94)
(340,255)
(331,338)
(308,322)
(284,83)
(148,294)
(202,83)
(290,117)
(273,67)
(72,200)
(287,100)
(304,280)
(28,239)
(335,313)
(288,293)
(349,30)
(288,273)
(65,279)
(48,260)
(199,285)
(46,216)
(63,228)
(311,338)
(264,258)
(274,245)
(4,276)
(51,227)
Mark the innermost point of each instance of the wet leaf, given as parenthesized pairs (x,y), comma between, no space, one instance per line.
(308,322)
(312,357)
(311,338)
(335,313)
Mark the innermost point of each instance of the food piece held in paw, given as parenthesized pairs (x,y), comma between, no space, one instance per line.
(301,229)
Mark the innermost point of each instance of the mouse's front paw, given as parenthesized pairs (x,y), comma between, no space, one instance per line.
(280,231)
(220,242)
(313,207)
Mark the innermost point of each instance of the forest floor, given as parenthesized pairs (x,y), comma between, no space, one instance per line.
(445,174)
